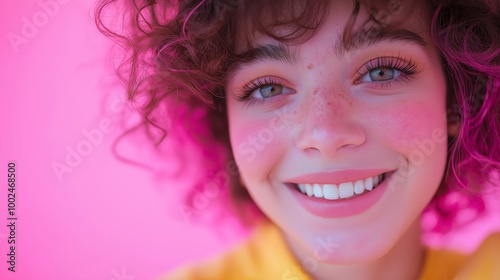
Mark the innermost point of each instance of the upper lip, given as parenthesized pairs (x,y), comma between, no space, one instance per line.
(336,177)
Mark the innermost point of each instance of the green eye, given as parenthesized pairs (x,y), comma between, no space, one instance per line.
(266,89)
(271,90)
(382,70)
(383,74)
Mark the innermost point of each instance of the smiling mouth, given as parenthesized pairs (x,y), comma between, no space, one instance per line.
(341,191)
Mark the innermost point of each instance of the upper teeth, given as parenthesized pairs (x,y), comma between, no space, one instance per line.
(342,190)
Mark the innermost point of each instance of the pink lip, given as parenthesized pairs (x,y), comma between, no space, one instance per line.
(336,177)
(340,208)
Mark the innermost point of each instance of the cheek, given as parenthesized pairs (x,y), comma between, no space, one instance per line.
(404,125)
(257,145)
(415,133)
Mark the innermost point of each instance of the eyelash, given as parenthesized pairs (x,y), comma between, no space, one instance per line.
(251,86)
(406,67)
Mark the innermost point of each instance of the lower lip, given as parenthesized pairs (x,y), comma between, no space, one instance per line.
(340,208)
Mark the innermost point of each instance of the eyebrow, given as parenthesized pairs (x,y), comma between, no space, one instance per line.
(365,37)
(361,38)
(271,52)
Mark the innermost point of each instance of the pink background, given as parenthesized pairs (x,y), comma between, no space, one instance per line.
(104,219)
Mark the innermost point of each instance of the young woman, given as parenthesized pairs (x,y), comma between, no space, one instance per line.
(345,120)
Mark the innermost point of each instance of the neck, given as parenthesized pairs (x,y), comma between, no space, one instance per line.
(403,261)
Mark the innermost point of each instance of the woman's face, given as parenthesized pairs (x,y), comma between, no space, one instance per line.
(331,121)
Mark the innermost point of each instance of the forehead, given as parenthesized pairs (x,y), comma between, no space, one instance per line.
(295,24)
(399,24)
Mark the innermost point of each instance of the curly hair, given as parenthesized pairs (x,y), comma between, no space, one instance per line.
(183,49)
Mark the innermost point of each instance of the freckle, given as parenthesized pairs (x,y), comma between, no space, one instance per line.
(310,66)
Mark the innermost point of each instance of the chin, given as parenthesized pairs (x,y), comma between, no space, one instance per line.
(353,253)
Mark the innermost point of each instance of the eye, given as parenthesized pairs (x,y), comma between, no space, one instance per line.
(385,70)
(380,75)
(270,90)
(263,90)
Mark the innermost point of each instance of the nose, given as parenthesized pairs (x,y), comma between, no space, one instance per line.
(329,128)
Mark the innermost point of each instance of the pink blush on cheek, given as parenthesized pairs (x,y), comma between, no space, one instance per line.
(404,124)
(256,144)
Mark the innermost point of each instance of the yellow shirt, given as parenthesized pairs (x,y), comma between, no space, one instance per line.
(266,256)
